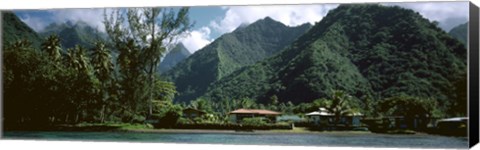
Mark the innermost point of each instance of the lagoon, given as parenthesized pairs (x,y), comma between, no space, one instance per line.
(253,138)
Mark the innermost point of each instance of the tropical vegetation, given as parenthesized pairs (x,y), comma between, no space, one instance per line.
(354,60)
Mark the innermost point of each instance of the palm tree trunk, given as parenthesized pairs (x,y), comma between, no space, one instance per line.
(76,117)
(102,114)
(102,111)
(150,95)
(66,118)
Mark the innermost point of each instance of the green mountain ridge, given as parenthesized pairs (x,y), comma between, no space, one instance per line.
(177,54)
(366,50)
(14,29)
(244,46)
(74,33)
(460,32)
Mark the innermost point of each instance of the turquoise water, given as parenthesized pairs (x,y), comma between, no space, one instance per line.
(362,140)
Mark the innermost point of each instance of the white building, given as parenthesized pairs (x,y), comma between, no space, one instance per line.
(324,117)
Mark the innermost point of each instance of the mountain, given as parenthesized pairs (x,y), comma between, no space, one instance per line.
(177,54)
(14,29)
(460,32)
(365,50)
(74,33)
(244,46)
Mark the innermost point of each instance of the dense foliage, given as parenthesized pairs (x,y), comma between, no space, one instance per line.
(372,59)
(45,85)
(35,88)
(244,46)
(142,36)
(357,49)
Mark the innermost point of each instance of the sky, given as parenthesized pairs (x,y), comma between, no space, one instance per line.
(210,22)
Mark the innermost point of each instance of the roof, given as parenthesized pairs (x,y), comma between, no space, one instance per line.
(255,111)
(321,112)
(456,119)
(322,109)
(324,112)
(316,113)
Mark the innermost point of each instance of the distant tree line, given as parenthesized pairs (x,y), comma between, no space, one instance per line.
(339,103)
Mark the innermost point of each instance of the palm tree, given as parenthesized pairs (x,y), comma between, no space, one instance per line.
(53,48)
(103,67)
(85,84)
(76,59)
(340,104)
(101,61)
(152,30)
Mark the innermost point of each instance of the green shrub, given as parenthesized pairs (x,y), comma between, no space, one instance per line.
(182,120)
(170,116)
(256,121)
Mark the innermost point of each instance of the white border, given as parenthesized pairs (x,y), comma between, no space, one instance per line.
(75,145)
(49,4)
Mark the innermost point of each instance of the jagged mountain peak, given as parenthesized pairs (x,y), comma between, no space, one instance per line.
(173,57)
(73,33)
(230,52)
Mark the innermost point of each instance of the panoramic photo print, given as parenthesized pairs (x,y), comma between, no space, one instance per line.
(356,75)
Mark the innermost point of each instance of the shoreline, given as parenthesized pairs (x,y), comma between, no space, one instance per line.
(263,132)
(210,131)
(255,132)
(145,129)
(297,130)
(207,131)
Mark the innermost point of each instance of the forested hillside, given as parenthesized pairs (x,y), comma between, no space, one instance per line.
(74,33)
(369,51)
(14,29)
(460,32)
(246,45)
(373,59)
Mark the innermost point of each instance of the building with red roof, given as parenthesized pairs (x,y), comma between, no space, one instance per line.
(238,115)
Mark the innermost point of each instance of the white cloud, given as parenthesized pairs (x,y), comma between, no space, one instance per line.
(35,23)
(290,15)
(448,14)
(92,17)
(197,39)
